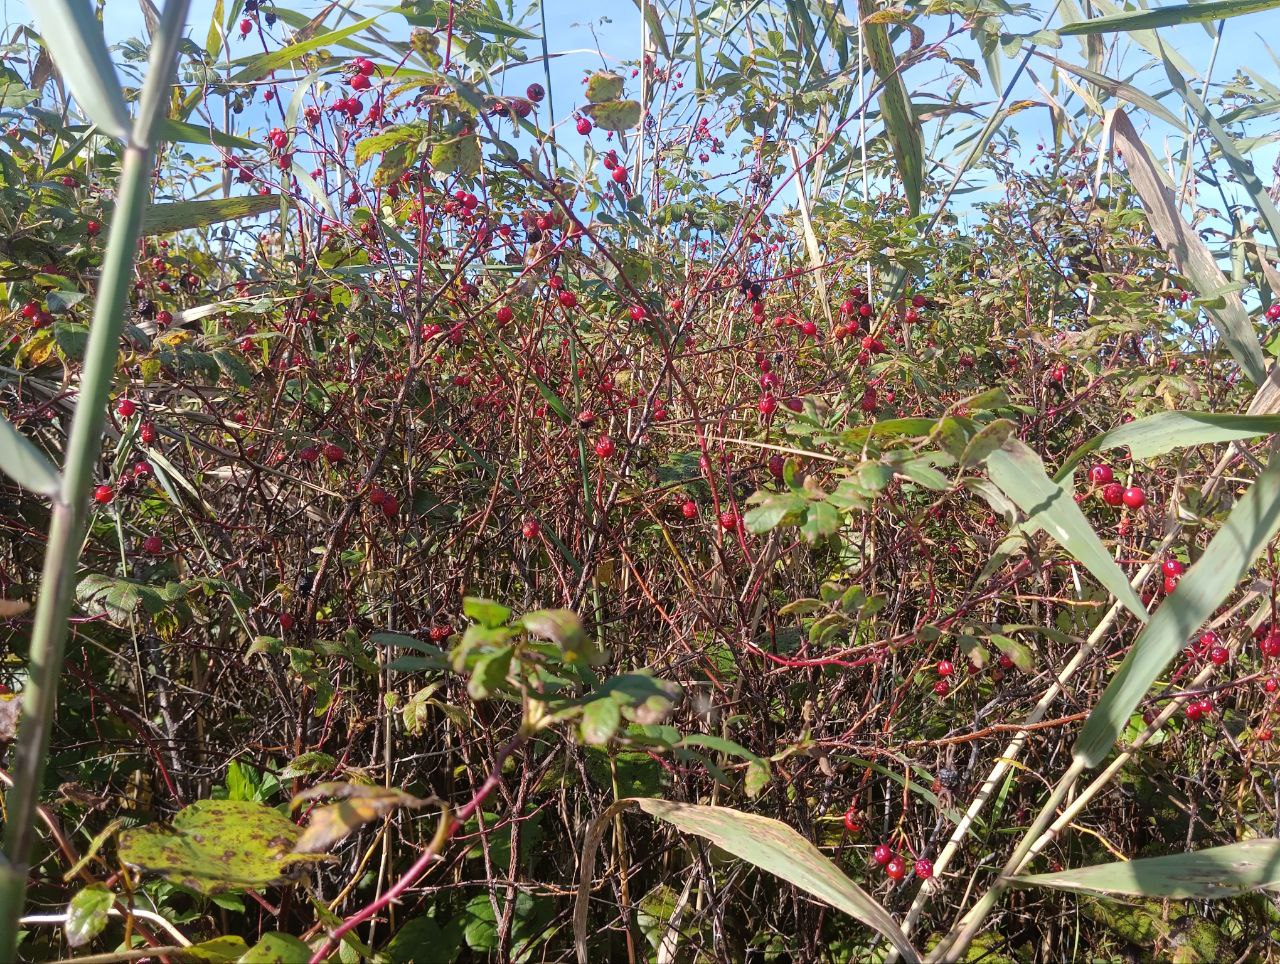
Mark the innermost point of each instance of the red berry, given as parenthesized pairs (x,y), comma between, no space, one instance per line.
(1208,639)
(1134,497)
(364,65)
(1005,661)
(30,310)
(360,82)
(333,453)
(103,494)
(504,314)
(945,668)
(1172,567)
(568,299)
(1170,583)
(530,529)
(941,688)
(165,318)
(1273,312)
(768,405)
(126,407)
(1264,735)
(689,510)
(918,301)
(896,869)
(93,228)
(619,174)
(153,545)
(924,868)
(1194,712)
(729,520)
(286,622)
(308,454)
(1113,493)
(535,92)
(1270,645)
(147,432)
(851,821)
(637,312)
(584,126)
(605,447)
(1101,475)
(809,329)
(245,26)
(1219,655)
(377,495)
(882,854)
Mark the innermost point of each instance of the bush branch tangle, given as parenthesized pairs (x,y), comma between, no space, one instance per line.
(841,432)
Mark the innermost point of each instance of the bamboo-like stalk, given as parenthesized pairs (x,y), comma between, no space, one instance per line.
(70,505)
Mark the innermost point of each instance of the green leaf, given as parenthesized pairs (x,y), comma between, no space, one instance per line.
(181,215)
(900,121)
(642,698)
(1020,475)
(783,508)
(1186,250)
(219,950)
(313,761)
(1168,16)
(562,627)
(768,844)
(1203,587)
(181,132)
(1120,90)
(259,65)
(457,155)
(216,845)
(614,115)
(987,440)
(87,913)
(74,38)
(604,85)
(922,473)
(820,522)
(406,947)
(1164,432)
(486,612)
(490,673)
(1020,653)
(1211,874)
(600,720)
(26,464)
(1240,165)
(276,948)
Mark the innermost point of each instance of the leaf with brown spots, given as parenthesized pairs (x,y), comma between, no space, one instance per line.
(214,846)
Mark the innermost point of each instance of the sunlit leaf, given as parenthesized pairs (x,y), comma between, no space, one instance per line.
(1210,874)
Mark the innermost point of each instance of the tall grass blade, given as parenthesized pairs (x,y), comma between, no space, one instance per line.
(24,463)
(1210,874)
(1240,165)
(74,38)
(1186,249)
(1168,16)
(1226,560)
(768,844)
(900,121)
(1020,474)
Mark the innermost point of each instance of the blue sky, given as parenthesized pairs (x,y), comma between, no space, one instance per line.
(576,29)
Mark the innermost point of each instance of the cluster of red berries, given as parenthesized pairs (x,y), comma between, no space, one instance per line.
(895,867)
(380,497)
(1113,493)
